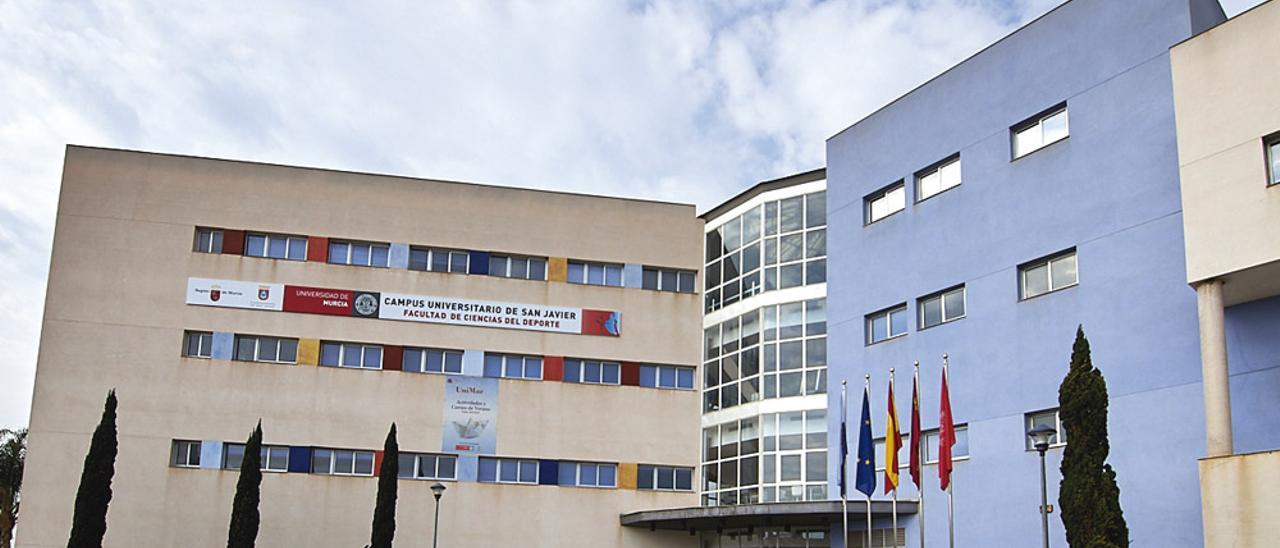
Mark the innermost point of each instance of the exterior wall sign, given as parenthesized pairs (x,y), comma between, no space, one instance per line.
(336,302)
(470,415)
(235,294)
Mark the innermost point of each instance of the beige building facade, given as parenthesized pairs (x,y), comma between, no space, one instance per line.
(537,350)
(1228,117)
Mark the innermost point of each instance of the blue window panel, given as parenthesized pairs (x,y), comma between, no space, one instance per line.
(514,367)
(548,472)
(684,378)
(588,474)
(591,373)
(533,368)
(572,371)
(649,376)
(479,262)
(667,377)
(300,459)
(644,477)
(488,470)
(568,473)
(684,479)
(493,365)
(222,345)
(610,373)
(508,470)
(632,275)
(473,363)
(210,454)
(468,467)
(528,470)
(399,256)
(608,475)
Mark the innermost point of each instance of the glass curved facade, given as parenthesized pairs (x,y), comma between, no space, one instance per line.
(777,244)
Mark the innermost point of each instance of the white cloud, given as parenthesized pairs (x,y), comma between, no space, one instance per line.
(665,99)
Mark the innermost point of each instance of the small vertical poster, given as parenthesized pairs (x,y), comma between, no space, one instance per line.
(470,415)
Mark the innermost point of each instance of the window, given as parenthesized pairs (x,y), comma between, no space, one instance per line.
(274,458)
(275,246)
(937,178)
(496,470)
(776,457)
(958,451)
(778,351)
(887,324)
(664,478)
(208,240)
(886,202)
(197,344)
(354,355)
(1045,275)
(1048,417)
(666,376)
(439,260)
(1040,131)
(941,308)
(512,367)
(592,372)
(588,474)
(426,466)
(776,245)
(665,279)
(431,360)
(359,254)
(341,462)
(185,454)
(252,348)
(595,273)
(524,268)
(1272,145)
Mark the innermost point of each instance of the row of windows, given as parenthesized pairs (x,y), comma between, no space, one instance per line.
(958,451)
(378,255)
(337,462)
(1035,278)
(1026,137)
(777,245)
(777,457)
(776,351)
(583,474)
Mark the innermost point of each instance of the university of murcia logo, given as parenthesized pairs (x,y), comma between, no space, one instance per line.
(215,293)
(366,304)
(264,292)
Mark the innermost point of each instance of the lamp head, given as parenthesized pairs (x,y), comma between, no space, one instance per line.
(1040,436)
(437,489)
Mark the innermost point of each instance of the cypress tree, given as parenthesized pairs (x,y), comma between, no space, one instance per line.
(1088,495)
(89,522)
(243,532)
(384,511)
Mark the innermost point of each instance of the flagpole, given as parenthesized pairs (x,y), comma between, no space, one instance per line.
(951,509)
(866,389)
(844,461)
(894,531)
(921,447)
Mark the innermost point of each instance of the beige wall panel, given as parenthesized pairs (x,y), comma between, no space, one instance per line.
(1238,494)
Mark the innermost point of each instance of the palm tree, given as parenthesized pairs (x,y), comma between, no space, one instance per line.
(13,454)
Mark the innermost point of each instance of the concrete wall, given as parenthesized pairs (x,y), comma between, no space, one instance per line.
(1110,190)
(1238,495)
(115,317)
(1225,93)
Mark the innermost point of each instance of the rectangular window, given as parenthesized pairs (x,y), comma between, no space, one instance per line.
(937,178)
(432,360)
(666,376)
(666,279)
(885,202)
(595,273)
(341,462)
(941,308)
(439,260)
(359,254)
(524,268)
(588,474)
(664,478)
(1050,274)
(427,466)
(197,344)
(592,372)
(275,246)
(887,324)
(1048,417)
(185,454)
(274,458)
(958,451)
(252,348)
(1272,145)
(352,355)
(1040,131)
(208,240)
(504,470)
(511,366)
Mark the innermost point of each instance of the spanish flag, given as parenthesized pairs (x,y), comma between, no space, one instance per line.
(892,443)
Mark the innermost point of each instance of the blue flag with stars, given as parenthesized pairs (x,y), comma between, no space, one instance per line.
(865,479)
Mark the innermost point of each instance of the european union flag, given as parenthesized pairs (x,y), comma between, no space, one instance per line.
(865,480)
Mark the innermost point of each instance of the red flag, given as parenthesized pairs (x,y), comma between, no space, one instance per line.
(914,466)
(946,436)
(892,443)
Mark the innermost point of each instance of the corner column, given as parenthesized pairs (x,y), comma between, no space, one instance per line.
(1213,363)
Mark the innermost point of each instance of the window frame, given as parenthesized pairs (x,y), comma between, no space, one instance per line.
(1048,261)
(215,240)
(191,448)
(941,296)
(869,201)
(423,360)
(202,351)
(676,369)
(1059,437)
(577,472)
(886,313)
(654,473)
(290,241)
(524,359)
(350,245)
(579,377)
(936,168)
(605,269)
(431,253)
(342,354)
(257,349)
(416,473)
(497,470)
(659,285)
(508,260)
(333,462)
(1036,121)
(1271,155)
(264,453)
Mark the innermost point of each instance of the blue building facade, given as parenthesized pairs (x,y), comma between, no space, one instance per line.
(1028,190)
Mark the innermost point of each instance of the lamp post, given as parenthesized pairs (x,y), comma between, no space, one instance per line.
(1040,437)
(437,489)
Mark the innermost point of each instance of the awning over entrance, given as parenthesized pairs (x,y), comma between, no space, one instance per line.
(762,515)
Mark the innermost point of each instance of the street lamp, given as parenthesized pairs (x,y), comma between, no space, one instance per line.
(438,488)
(1040,437)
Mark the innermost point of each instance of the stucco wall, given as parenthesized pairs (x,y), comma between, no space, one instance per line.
(1238,495)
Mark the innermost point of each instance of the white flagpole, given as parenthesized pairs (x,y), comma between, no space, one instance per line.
(915,389)
(951,509)
(898,427)
(866,389)
(844,460)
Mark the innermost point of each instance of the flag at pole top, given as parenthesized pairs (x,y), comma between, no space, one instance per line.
(916,461)
(865,478)
(946,434)
(892,442)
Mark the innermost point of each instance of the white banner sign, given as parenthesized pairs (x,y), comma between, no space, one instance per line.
(235,294)
(447,310)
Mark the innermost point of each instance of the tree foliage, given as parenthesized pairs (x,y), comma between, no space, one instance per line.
(384,511)
(1088,495)
(89,522)
(13,455)
(243,531)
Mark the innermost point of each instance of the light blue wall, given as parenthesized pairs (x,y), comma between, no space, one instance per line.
(1110,190)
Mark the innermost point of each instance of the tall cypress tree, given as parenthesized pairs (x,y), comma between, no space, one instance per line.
(1088,494)
(243,532)
(89,522)
(384,511)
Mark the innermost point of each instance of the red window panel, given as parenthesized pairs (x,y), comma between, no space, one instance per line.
(233,242)
(630,374)
(317,249)
(553,368)
(392,357)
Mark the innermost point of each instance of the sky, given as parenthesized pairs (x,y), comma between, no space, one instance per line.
(672,100)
